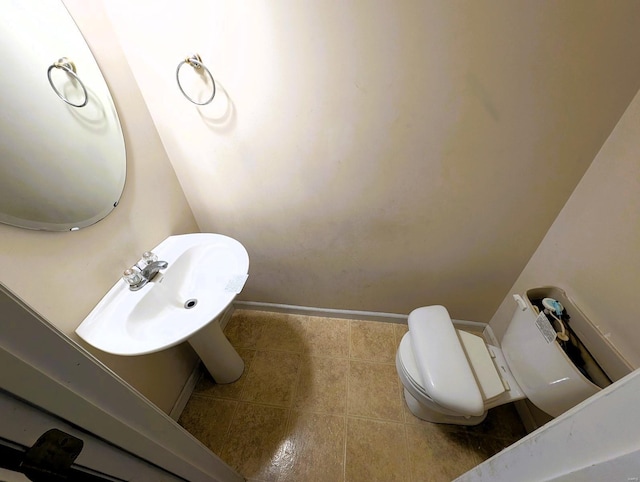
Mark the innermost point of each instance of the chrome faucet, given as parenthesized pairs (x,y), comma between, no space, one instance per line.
(152,269)
(137,277)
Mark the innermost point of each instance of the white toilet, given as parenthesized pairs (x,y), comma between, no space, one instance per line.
(454,376)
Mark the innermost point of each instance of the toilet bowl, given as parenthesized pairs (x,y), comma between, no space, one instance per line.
(462,392)
(453,376)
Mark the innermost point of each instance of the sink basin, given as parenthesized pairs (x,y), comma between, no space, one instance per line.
(205,273)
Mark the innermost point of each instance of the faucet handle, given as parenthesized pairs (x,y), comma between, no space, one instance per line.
(132,276)
(148,257)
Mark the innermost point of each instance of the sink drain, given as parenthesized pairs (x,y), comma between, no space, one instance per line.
(190,303)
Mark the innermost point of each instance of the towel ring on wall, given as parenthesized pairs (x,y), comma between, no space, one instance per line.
(196,62)
(70,68)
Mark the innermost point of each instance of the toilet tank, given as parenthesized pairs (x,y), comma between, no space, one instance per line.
(556,376)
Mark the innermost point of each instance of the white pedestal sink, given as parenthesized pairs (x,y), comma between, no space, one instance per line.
(182,303)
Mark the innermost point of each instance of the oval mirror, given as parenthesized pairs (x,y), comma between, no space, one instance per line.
(62,165)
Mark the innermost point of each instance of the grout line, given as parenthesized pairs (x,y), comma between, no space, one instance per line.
(410,460)
(344,453)
(261,404)
(348,370)
(296,384)
(287,427)
(376,362)
(225,439)
(376,419)
(346,406)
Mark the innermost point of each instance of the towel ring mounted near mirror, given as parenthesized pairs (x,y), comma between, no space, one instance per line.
(70,68)
(196,62)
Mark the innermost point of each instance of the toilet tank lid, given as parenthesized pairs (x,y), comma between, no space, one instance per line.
(446,374)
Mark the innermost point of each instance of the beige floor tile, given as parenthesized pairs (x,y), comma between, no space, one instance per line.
(373,341)
(399,329)
(374,391)
(327,337)
(315,448)
(208,387)
(322,385)
(208,420)
(439,453)
(245,326)
(282,332)
(271,378)
(376,451)
(256,441)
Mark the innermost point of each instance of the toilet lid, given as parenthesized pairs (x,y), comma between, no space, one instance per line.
(441,361)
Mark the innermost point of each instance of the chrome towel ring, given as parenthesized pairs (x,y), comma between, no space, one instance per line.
(69,67)
(196,62)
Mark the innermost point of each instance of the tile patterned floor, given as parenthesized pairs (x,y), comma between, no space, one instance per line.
(320,400)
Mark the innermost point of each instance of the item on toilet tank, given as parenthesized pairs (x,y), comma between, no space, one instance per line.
(553,305)
(555,310)
(453,376)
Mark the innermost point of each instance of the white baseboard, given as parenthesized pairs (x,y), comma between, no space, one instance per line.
(472,326)
(324,312)
(186,392)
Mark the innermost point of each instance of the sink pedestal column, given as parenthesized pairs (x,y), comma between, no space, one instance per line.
(219,357)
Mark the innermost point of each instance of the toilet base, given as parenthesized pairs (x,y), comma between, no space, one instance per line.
(429,415)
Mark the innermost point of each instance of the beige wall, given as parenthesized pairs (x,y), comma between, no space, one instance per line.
(385,155)
(63,275)
(593,248)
